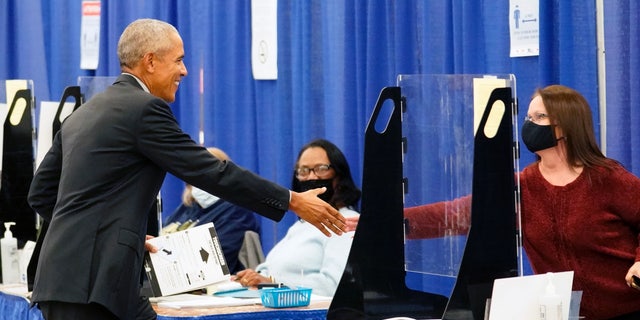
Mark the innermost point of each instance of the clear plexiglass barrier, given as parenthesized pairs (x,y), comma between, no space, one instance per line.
(442,116)
(89,86)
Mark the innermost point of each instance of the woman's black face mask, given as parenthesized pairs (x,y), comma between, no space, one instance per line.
(537,137)
(313,184)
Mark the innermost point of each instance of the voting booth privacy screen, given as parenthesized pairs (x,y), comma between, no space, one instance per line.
(444,147)
(17,154)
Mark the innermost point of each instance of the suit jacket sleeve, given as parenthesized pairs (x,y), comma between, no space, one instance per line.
(44,186)
(163,141)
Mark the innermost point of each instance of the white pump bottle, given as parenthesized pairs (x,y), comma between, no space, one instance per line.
(550,302)
(9,255)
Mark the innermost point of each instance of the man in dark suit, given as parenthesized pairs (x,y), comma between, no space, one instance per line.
(102,174)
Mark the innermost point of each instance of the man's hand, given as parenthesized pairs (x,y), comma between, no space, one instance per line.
(314,210)
(148,246)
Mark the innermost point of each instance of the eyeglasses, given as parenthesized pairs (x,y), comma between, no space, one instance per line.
(319,170)
(536,117)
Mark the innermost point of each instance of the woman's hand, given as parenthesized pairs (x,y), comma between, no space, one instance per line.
(633,271)
(352,223)
(250,278)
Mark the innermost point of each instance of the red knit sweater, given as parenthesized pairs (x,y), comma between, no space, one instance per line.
(589,226)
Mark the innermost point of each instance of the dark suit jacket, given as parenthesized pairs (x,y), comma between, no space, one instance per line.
(96,186)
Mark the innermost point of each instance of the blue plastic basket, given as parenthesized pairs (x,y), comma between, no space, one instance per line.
(285,297)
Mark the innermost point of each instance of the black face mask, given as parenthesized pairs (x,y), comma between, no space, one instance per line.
(537,137)
(313,184)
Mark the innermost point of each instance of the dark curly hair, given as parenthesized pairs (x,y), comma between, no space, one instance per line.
(346,194)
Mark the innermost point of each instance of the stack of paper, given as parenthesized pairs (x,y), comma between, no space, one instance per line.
(181,301)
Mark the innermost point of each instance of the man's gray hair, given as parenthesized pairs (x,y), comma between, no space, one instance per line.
(144,36)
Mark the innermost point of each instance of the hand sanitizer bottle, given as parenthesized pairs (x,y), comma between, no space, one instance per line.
(9,252)
(550,302)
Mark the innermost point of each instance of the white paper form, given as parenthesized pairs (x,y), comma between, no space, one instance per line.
(184,301)
(518,297)
(186,260)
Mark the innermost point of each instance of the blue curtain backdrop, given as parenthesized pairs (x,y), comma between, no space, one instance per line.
(334,57)
(622,43)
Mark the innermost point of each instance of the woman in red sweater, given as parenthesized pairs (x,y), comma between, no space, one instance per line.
(580,209)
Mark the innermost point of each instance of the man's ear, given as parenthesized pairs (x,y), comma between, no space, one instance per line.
(149,61)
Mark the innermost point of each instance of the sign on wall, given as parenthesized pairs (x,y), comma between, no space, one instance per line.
(90,35)
(524,22)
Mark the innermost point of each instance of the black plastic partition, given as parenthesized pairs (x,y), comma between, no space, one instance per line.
(438,144)
(17,165)
(373,283)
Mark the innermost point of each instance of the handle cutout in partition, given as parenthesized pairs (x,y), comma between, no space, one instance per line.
(66,111)
(63,111)
(383,117)
(18,109)
(66,108)
(493,120)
